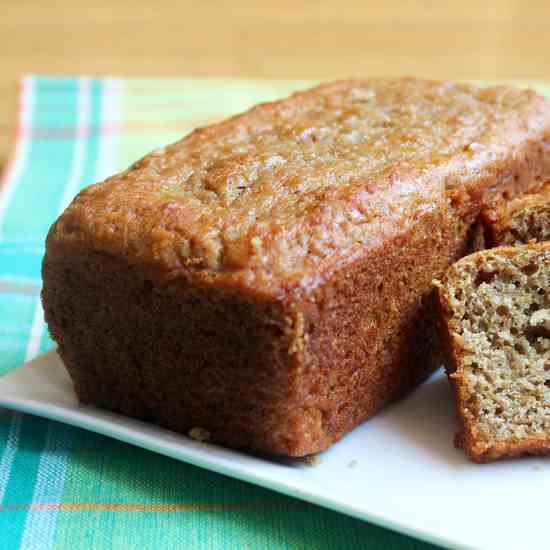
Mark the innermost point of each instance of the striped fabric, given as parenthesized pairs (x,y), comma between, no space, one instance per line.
(61,487)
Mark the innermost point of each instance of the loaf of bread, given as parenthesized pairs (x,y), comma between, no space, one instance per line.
(267,279)
(518,221)
(495,323)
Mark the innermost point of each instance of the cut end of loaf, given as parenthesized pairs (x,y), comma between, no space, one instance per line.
(521,220)
(530,225)
(497,319)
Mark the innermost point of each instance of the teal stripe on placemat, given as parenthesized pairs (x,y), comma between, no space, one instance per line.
(21,260)
(20,487)
(16,315)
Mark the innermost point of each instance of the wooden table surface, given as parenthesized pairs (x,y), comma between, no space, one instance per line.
(288,38)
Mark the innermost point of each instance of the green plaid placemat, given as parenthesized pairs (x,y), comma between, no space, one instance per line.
(61,487)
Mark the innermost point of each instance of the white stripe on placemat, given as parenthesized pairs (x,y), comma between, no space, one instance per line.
(82,132)
(35,334)
(9,452)
(109,137)
(15,169)
(40,525)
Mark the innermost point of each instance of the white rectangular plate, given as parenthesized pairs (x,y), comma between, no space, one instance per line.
(398,470)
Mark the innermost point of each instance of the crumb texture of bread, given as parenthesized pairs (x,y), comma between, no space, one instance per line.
(496,306)
(268,278)
(519,221)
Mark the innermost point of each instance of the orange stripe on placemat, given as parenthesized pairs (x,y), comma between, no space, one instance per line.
(140,507)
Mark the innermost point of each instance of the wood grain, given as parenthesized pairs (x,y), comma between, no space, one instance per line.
(467,39)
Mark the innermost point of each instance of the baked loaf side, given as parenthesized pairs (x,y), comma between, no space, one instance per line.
(496,324)
(520,220)
(267,279)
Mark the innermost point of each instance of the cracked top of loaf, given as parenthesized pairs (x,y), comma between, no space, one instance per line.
(290,189)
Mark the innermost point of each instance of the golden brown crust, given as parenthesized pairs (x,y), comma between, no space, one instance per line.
(477,446)
(290,190)
(279,316)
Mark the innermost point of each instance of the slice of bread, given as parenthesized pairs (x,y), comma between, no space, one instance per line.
(495,328)
(519,221)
